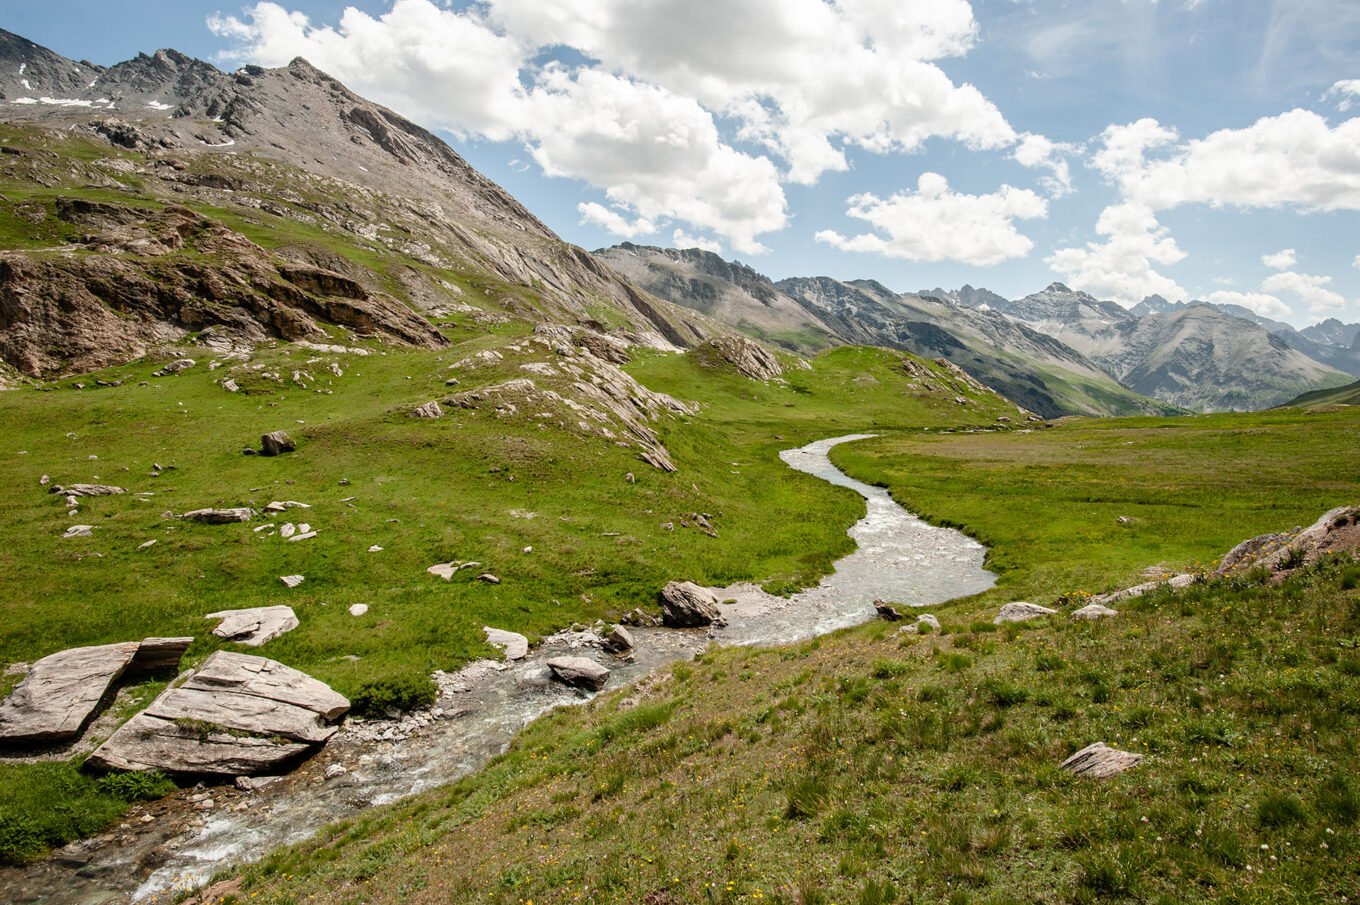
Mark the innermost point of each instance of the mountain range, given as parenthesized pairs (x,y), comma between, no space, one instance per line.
(1056,352)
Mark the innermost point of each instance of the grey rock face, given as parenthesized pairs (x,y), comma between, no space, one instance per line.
(276,443)
(255,625)
(749,358)
(62,691)
(581,672)
(515,645)
(685,604)
(1099,761)
(236,715)
(1021,611)
(87,489)
(219,516)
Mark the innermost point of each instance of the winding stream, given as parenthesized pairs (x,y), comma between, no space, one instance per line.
(180,843)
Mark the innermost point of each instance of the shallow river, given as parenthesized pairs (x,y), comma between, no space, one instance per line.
(180,843)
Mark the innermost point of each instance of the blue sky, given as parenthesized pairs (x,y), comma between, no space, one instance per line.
(1196,148)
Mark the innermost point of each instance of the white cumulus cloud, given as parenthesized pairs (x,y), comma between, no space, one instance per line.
(1281,260)
(1310,288)
(1038,151)
(1262,303)
(935,224)
(682,239)
(614,222)
(1121,267)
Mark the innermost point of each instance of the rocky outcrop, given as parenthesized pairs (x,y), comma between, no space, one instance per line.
(1093,612)
(749,358)
(149,277)
(255,625)
(429,409)
(87,489)
(580,672)
(1021,611)
(236,714)
(1100,761)
(63,691)
(1338,530)
(685,604)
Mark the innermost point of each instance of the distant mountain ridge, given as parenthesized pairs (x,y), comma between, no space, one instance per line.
(807,314)
(1034,350)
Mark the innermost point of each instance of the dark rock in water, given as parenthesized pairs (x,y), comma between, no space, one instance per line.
(235,715)
(886,611)
(62,692)
(276,443)
(1099,761)
(619,640)
(581,672)
(685,604)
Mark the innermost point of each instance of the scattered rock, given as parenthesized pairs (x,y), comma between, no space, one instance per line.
(685,604)
(630,478)
(1124,519)
(254,626)
(145,544)
(929,620)
(375,549)
(335,771)
(292,580)
(428,410)
(236,714)
(581,672)
(886,611)
(1020,611)
(488,578)
(281,505)
(515,645)
(276,443)
(358,609)
(445,570)
(230,385)
(62,691)
(1093,611)
(749,358)
(287,530)
(254,783)
(219,516)
(619,640)
(74,490)
(174,367)
(303,536)
(1099,761)
(78,531)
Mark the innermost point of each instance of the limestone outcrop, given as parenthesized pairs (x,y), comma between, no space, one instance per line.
(63,691)
(254,626)
(237,714)
(1100,761)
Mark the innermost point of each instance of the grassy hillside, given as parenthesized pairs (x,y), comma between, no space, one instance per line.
(876,767)
(1346,395)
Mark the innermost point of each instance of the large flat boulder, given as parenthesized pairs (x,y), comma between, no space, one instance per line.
(1100,761)
(237,714)
(255,625)
(1021,611)
(581,672)
(685,604)
(63,691)
(515,645)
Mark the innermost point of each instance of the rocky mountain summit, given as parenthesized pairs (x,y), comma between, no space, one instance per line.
(163,197)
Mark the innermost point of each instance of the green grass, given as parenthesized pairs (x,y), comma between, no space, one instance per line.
(828,777)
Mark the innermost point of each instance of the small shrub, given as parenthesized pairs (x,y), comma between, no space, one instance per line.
(1277,809)
(403,691)
(139,786)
